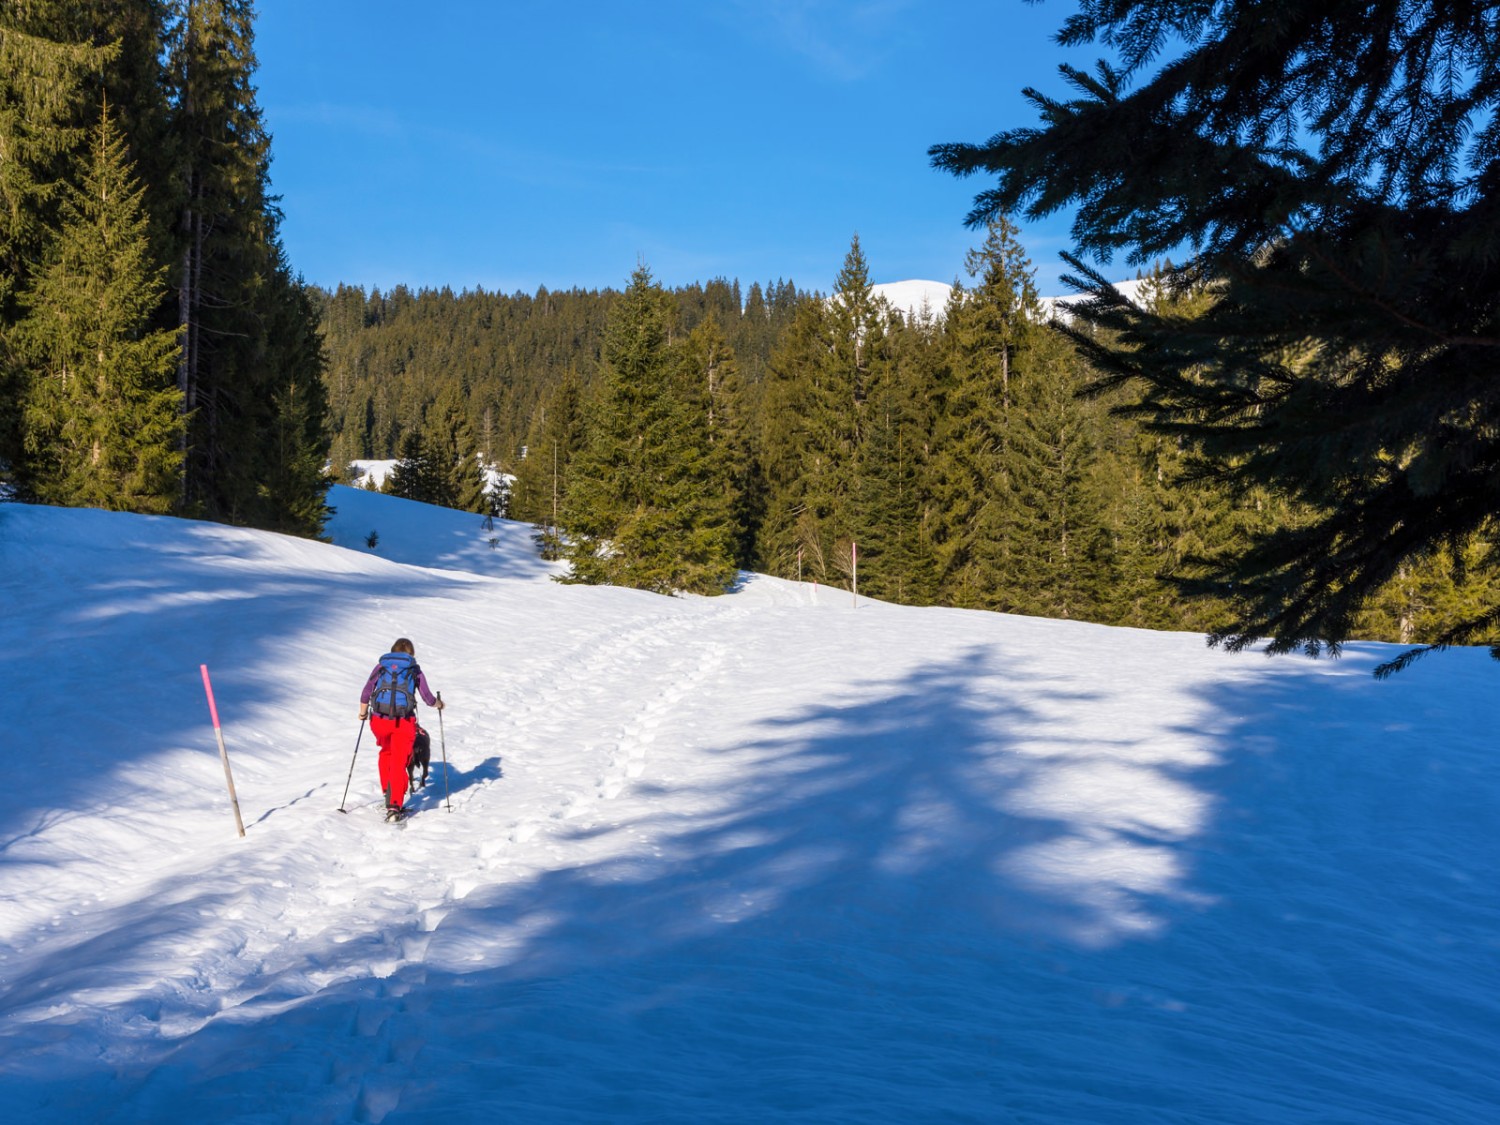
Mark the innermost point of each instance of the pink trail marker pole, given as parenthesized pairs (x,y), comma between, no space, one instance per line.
(223,753)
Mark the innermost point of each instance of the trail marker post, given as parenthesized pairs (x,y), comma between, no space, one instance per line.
(213,711)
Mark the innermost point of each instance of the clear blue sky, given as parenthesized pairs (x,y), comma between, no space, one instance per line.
(510,145)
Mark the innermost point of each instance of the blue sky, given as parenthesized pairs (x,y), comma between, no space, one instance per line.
(511,145)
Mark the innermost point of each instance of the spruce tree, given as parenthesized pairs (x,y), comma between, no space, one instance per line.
(984,328)
(416,475)
(835,354)
(1334,169)
(643,506)
(45,102)
(232,286)
(1048,550)
(455,453)
(797,466)
(710,383)
(102,411)
(556,435)
(294,446)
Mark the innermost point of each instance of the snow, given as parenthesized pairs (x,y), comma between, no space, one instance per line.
(373,474)
(914,298)
(779,855)
(368,473)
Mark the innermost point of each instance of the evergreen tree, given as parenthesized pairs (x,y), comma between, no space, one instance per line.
(1048,545)
(835,354)
(102,411)
(294,487)
(710,384)
(45,99)
(794,459)
(896,560)
(708,485)
(416,475)
(556,435)
(229,293)
(984,329)
(1335,170)
(637,513)
(455,453)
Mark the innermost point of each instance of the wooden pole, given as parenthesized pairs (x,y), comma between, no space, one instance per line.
(223,753)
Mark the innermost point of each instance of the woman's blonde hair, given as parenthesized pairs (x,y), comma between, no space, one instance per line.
(403,645)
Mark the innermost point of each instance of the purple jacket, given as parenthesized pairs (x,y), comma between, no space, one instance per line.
(422,688)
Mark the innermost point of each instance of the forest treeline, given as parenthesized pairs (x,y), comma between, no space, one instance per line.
(664,439)
(1177,466)
(157,351)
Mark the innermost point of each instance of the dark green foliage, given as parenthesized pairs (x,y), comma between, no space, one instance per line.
(556,435)
(101,408)
(44,109)
(984,328)
(722,459)
(417,475)
(1335,170)
(1049,542)
(391,355)
(293,446)
(197,252)
(648,501)
(834,357)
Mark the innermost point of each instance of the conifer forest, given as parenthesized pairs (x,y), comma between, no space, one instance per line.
(1236,453)
(157,351)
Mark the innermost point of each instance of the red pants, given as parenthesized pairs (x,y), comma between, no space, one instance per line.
(395,737)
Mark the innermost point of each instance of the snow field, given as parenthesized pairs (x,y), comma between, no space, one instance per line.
(762,857)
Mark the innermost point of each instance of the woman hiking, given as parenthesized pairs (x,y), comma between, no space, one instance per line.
(391,693)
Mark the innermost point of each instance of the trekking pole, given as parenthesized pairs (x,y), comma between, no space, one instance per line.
(350,778)
(443,746)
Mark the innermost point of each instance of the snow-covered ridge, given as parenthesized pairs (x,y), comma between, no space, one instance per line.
(780,855)
(913,298)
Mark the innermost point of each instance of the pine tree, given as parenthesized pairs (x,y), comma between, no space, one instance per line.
(710,384)
(294,448)
(706,488)
(984,329)
(416,475)
(641,508)
(230,296)
(794,459)
(896,560)
(833,357)
(455,453)
(557,433)
(102,414)
(1335,170)
(45,102)
(1049,540)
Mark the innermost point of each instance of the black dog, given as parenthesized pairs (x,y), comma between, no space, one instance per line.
(421,758)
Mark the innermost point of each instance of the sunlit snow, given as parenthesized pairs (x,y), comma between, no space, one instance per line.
(783,855)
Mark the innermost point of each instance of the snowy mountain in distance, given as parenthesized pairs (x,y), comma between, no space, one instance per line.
(912,297)
(783,855)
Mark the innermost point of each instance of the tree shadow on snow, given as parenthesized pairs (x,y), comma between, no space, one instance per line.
(116,700)
(922,904)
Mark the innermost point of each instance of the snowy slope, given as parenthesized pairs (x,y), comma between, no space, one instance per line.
(915,298)
(772,856)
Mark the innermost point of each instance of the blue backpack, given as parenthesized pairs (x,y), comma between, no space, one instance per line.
(395,694)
